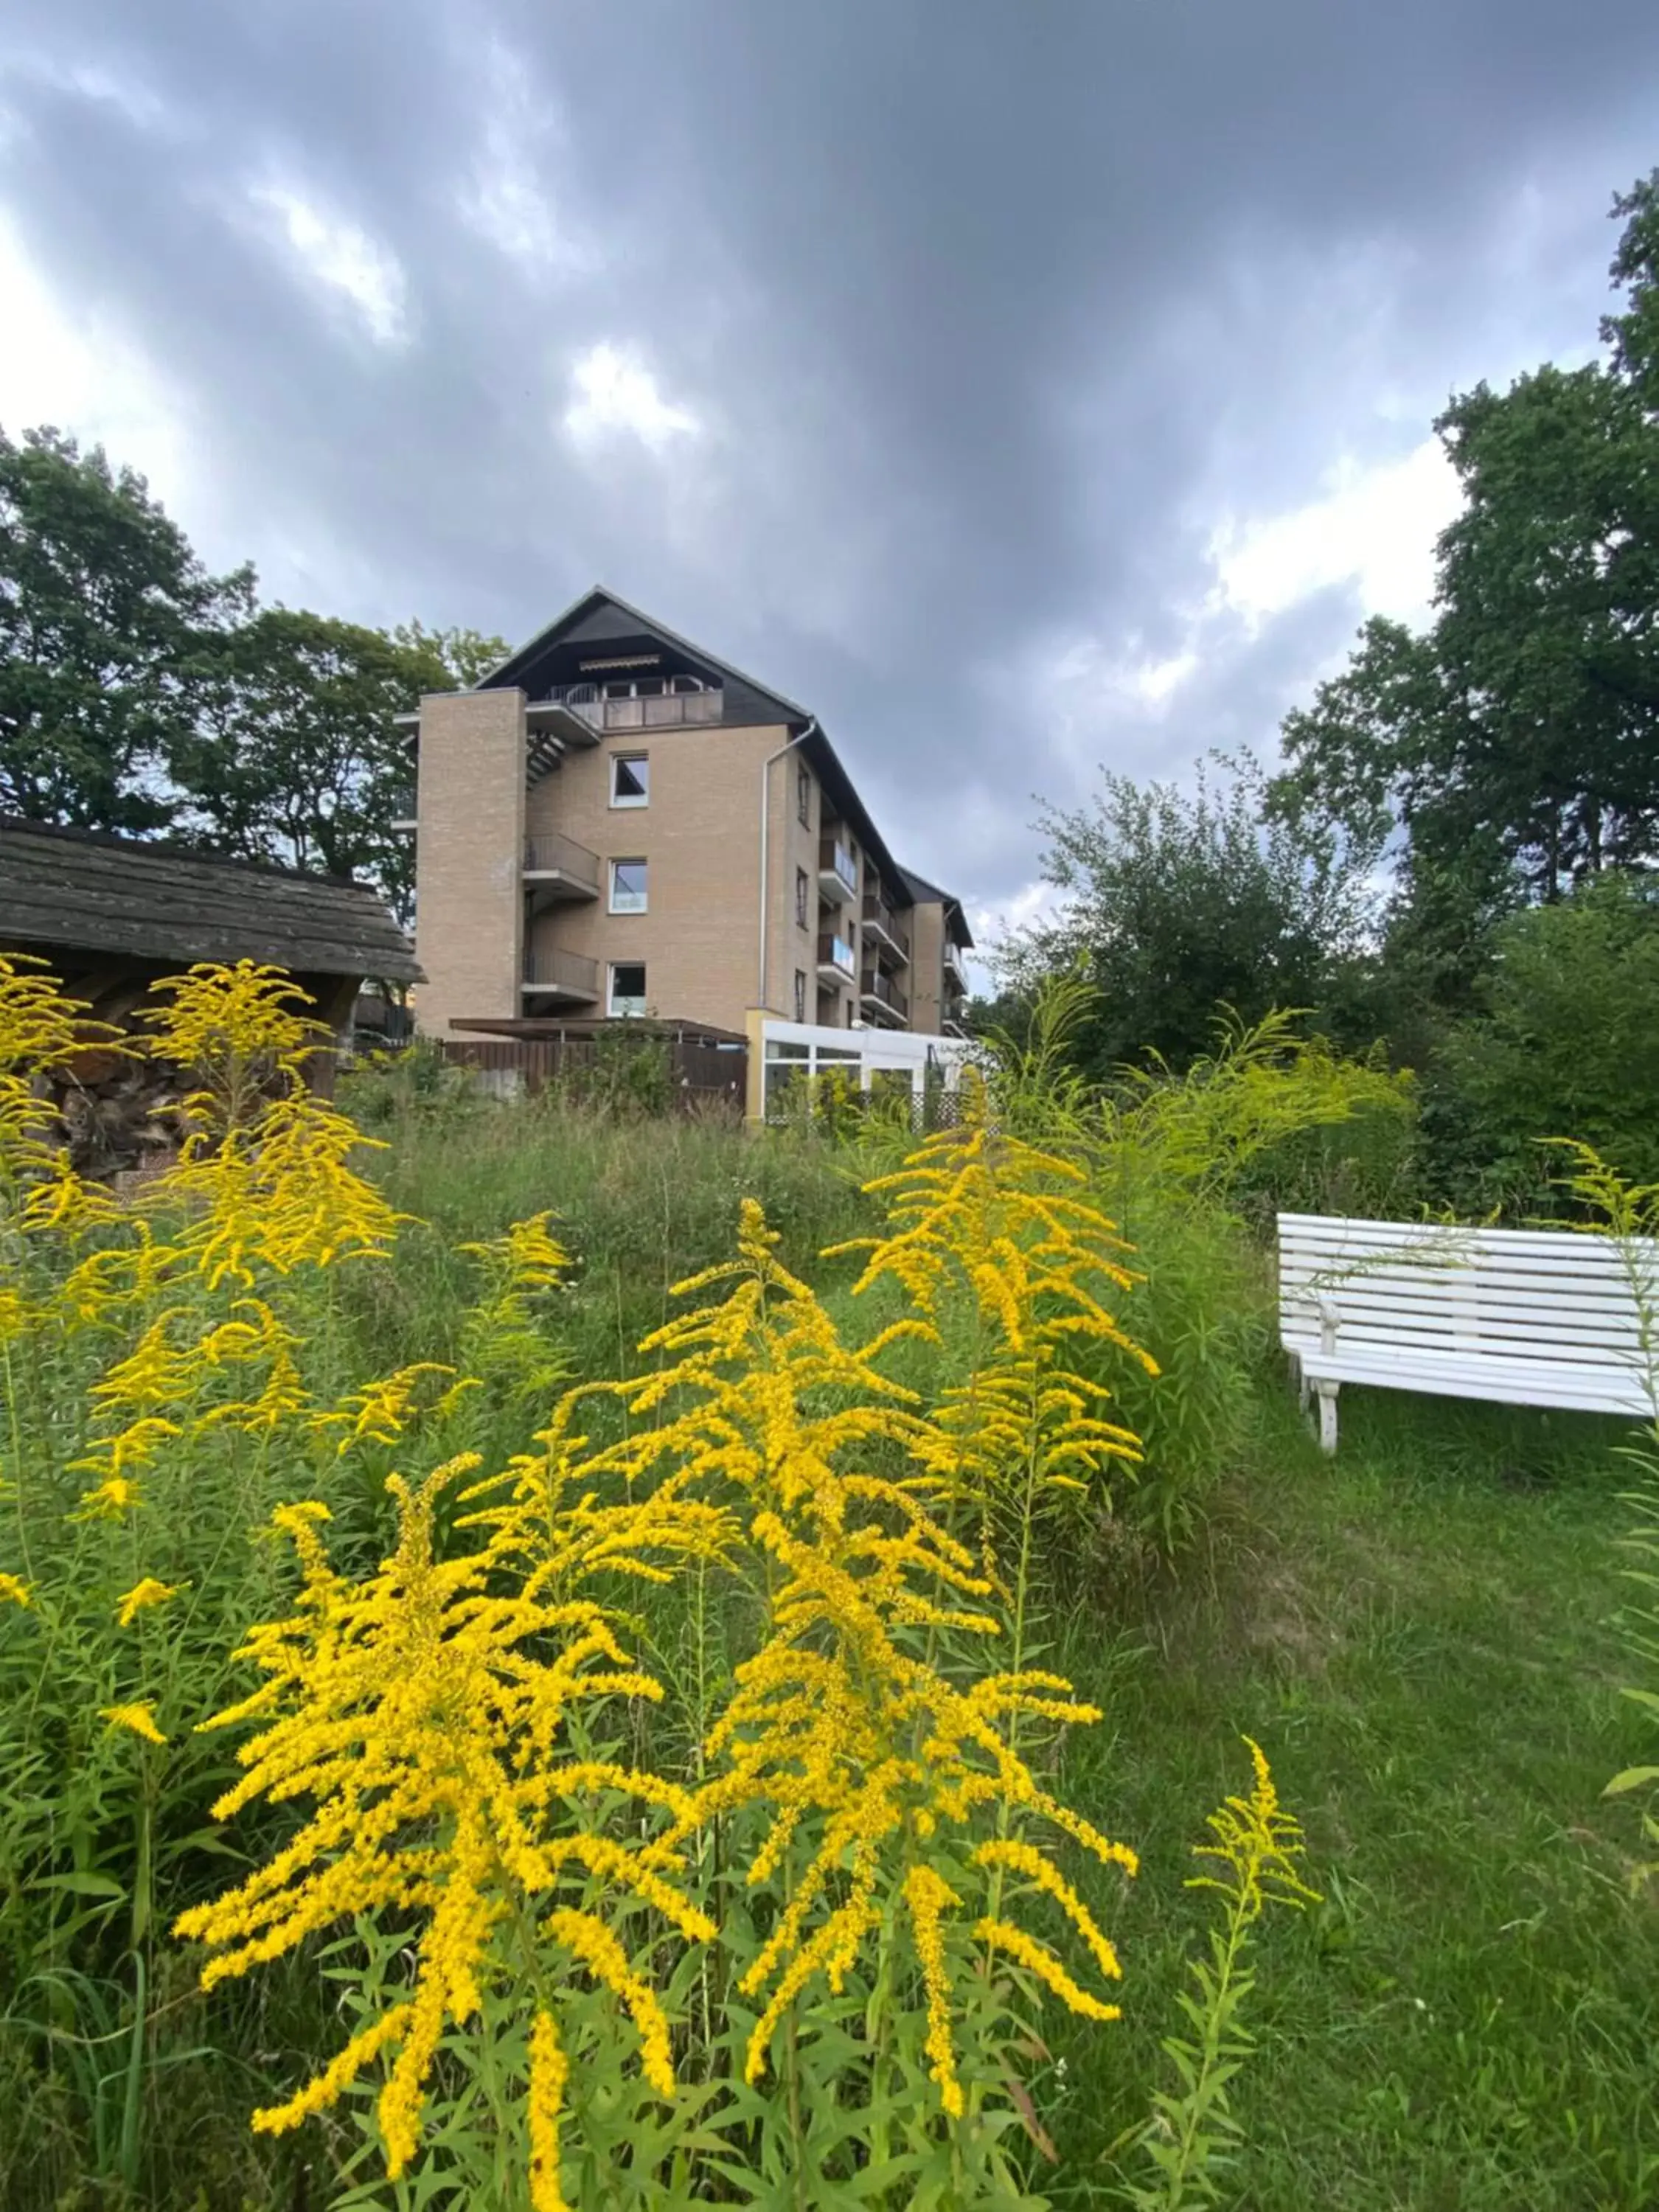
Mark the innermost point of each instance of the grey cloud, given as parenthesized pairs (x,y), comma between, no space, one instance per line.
(987,311)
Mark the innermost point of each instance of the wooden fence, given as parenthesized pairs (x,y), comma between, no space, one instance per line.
(697,1076)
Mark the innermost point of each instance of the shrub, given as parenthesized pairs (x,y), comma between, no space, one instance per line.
(1568,1042)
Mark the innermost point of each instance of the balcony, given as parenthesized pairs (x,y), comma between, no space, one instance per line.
(955,968)
(838,872)
(883,1001)
(556,869)
(663,710)
(836,961)
(551,973)
(403,807)
(882,930)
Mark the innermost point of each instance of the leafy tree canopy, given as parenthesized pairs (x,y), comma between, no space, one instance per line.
(1175,905)
(106,618)
(1513,748)
(1566,1044)
(139,693)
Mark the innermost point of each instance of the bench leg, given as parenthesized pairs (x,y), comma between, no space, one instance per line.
(1303,1389)
(1328,1416)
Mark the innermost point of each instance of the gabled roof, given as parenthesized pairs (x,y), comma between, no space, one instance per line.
(602,608)
(579,611)
(757,701)
(923,893)
(84,891)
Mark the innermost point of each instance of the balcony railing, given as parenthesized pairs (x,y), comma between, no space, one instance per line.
(884,992)
(404,805)
(664,710)
(550,970)
(558,864)
(836,954)
(838,872)
(955,968)
(881,923)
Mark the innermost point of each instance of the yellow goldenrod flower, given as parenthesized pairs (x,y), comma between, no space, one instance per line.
(142,1596)
(39,1026)
(419,1711)
(140,1718)
(839,1732)
(1025,1859)
(14,1591)
(928,1894)
(1039,1959)
(592,1942)
(233,1025)
(1258,1843)
(549,2070)
(381,1411)
(117,1495)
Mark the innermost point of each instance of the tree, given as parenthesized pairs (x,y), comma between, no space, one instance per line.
(1565,1045)
(108,620)
(1178,907)
(465,655)
(1513,749)
(297,758)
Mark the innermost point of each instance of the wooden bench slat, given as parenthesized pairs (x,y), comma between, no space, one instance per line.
(1481,1319)
(1366,1260)
(1524,1317)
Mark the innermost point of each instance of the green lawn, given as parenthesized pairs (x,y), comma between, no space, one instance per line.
(1419,1635)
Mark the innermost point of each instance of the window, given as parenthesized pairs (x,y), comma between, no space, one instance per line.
(803,894)
(630,780)
(800,995)
(804,795)
(626,987)
(627,887)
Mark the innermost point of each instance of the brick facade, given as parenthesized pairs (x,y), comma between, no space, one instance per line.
(479,923)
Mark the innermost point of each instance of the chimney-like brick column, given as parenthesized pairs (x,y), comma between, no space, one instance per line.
(469,857)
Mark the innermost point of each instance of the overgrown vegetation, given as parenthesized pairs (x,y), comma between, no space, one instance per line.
(705,1734)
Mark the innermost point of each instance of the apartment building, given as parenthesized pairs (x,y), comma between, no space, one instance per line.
(615,822)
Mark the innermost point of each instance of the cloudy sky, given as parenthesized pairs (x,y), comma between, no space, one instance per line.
(1023,384)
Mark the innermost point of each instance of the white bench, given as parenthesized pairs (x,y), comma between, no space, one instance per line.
(1544,1317)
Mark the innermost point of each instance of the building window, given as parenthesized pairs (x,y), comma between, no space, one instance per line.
(800,995)
(804,795)
(803,895)
(627,887)
(630,780)
(626,987)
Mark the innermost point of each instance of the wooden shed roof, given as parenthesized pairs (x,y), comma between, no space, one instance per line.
(159,902)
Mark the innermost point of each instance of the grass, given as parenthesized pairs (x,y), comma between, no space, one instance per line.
(1419,1635)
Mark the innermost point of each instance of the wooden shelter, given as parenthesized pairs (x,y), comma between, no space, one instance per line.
(109,915)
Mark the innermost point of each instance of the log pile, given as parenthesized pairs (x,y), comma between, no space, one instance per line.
(119,1115)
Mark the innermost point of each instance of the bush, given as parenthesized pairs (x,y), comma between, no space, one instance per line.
(1568,1045)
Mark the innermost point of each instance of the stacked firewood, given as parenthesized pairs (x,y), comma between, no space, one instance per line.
(119,1114)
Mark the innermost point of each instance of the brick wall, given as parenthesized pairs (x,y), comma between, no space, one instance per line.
(469,854)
